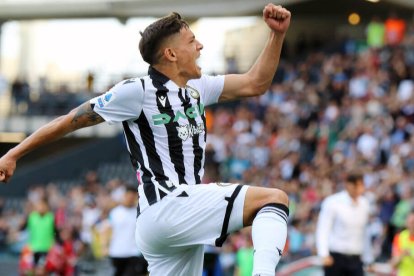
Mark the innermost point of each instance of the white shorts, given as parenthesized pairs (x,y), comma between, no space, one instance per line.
(171,234)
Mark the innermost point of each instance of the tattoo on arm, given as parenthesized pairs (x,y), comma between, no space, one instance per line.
(85,116)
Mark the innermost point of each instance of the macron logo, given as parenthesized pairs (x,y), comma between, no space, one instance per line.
(162,100)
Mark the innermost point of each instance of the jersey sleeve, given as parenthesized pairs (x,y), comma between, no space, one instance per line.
(121,103)
(210,88)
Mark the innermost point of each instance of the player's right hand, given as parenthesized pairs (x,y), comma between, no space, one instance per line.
(7,167)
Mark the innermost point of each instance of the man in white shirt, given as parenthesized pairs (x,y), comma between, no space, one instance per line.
(125,256)
(341,230)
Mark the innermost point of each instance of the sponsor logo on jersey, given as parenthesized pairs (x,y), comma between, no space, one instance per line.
(187,131)
(190,113)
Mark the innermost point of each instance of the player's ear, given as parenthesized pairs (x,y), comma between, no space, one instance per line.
(170,54)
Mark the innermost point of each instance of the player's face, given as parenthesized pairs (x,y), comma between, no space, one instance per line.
(188,50)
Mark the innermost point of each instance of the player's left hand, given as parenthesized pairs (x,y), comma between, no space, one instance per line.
(277,18)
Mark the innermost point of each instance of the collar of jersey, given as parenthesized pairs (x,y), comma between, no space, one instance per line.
(157,76)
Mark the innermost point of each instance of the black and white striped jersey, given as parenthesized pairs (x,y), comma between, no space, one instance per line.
(164,126)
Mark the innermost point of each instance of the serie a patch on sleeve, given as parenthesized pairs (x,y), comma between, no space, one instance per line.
(104,99)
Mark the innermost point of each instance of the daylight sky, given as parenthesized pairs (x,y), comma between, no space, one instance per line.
(104,46)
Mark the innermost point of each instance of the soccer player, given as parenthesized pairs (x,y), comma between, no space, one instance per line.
(165,129)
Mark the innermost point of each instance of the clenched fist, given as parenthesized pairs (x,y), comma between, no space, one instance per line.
(277,18)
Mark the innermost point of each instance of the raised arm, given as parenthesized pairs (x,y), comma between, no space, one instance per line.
(258,79)
(80,117)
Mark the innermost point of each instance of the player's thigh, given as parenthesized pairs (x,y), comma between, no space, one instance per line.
(257,197)
(191,215)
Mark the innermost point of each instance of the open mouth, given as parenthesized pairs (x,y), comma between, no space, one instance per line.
(198,62)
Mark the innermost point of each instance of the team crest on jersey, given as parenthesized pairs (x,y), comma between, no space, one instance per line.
(193,92)
(183,132)
(186,131)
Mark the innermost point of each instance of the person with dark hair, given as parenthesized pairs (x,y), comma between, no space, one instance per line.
(163,116)
(20,91)
(341,238)
(40,226)
(125,256)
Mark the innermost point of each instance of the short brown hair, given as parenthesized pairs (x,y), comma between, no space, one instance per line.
(156,33)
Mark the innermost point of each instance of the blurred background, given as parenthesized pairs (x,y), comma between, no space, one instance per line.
(342,97)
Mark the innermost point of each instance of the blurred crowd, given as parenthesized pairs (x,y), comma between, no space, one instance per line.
(328,112)
(47,98)
(331,112)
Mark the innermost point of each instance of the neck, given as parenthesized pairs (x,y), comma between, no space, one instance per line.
(172,73)
(353,197)
(128,204)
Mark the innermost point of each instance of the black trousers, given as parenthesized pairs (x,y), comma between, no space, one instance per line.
(345,265)
(39,258)
(130,266)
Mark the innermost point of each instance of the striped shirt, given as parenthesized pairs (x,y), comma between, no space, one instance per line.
(164,127)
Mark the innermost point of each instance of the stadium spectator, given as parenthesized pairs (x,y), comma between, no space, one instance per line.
(403,248)
(101,236)
(61,258)
(90,81)
(211,263)
(4,233)
(341,230)
(387,202)
(244,255)
(297,241)
(125,256)
(41,233)
(90,214)
(20,91)
(394,29)
(375,33)
(403,207)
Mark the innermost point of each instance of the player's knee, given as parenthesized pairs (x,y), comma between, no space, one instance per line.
(258,198)
(278,196)
(275,198)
